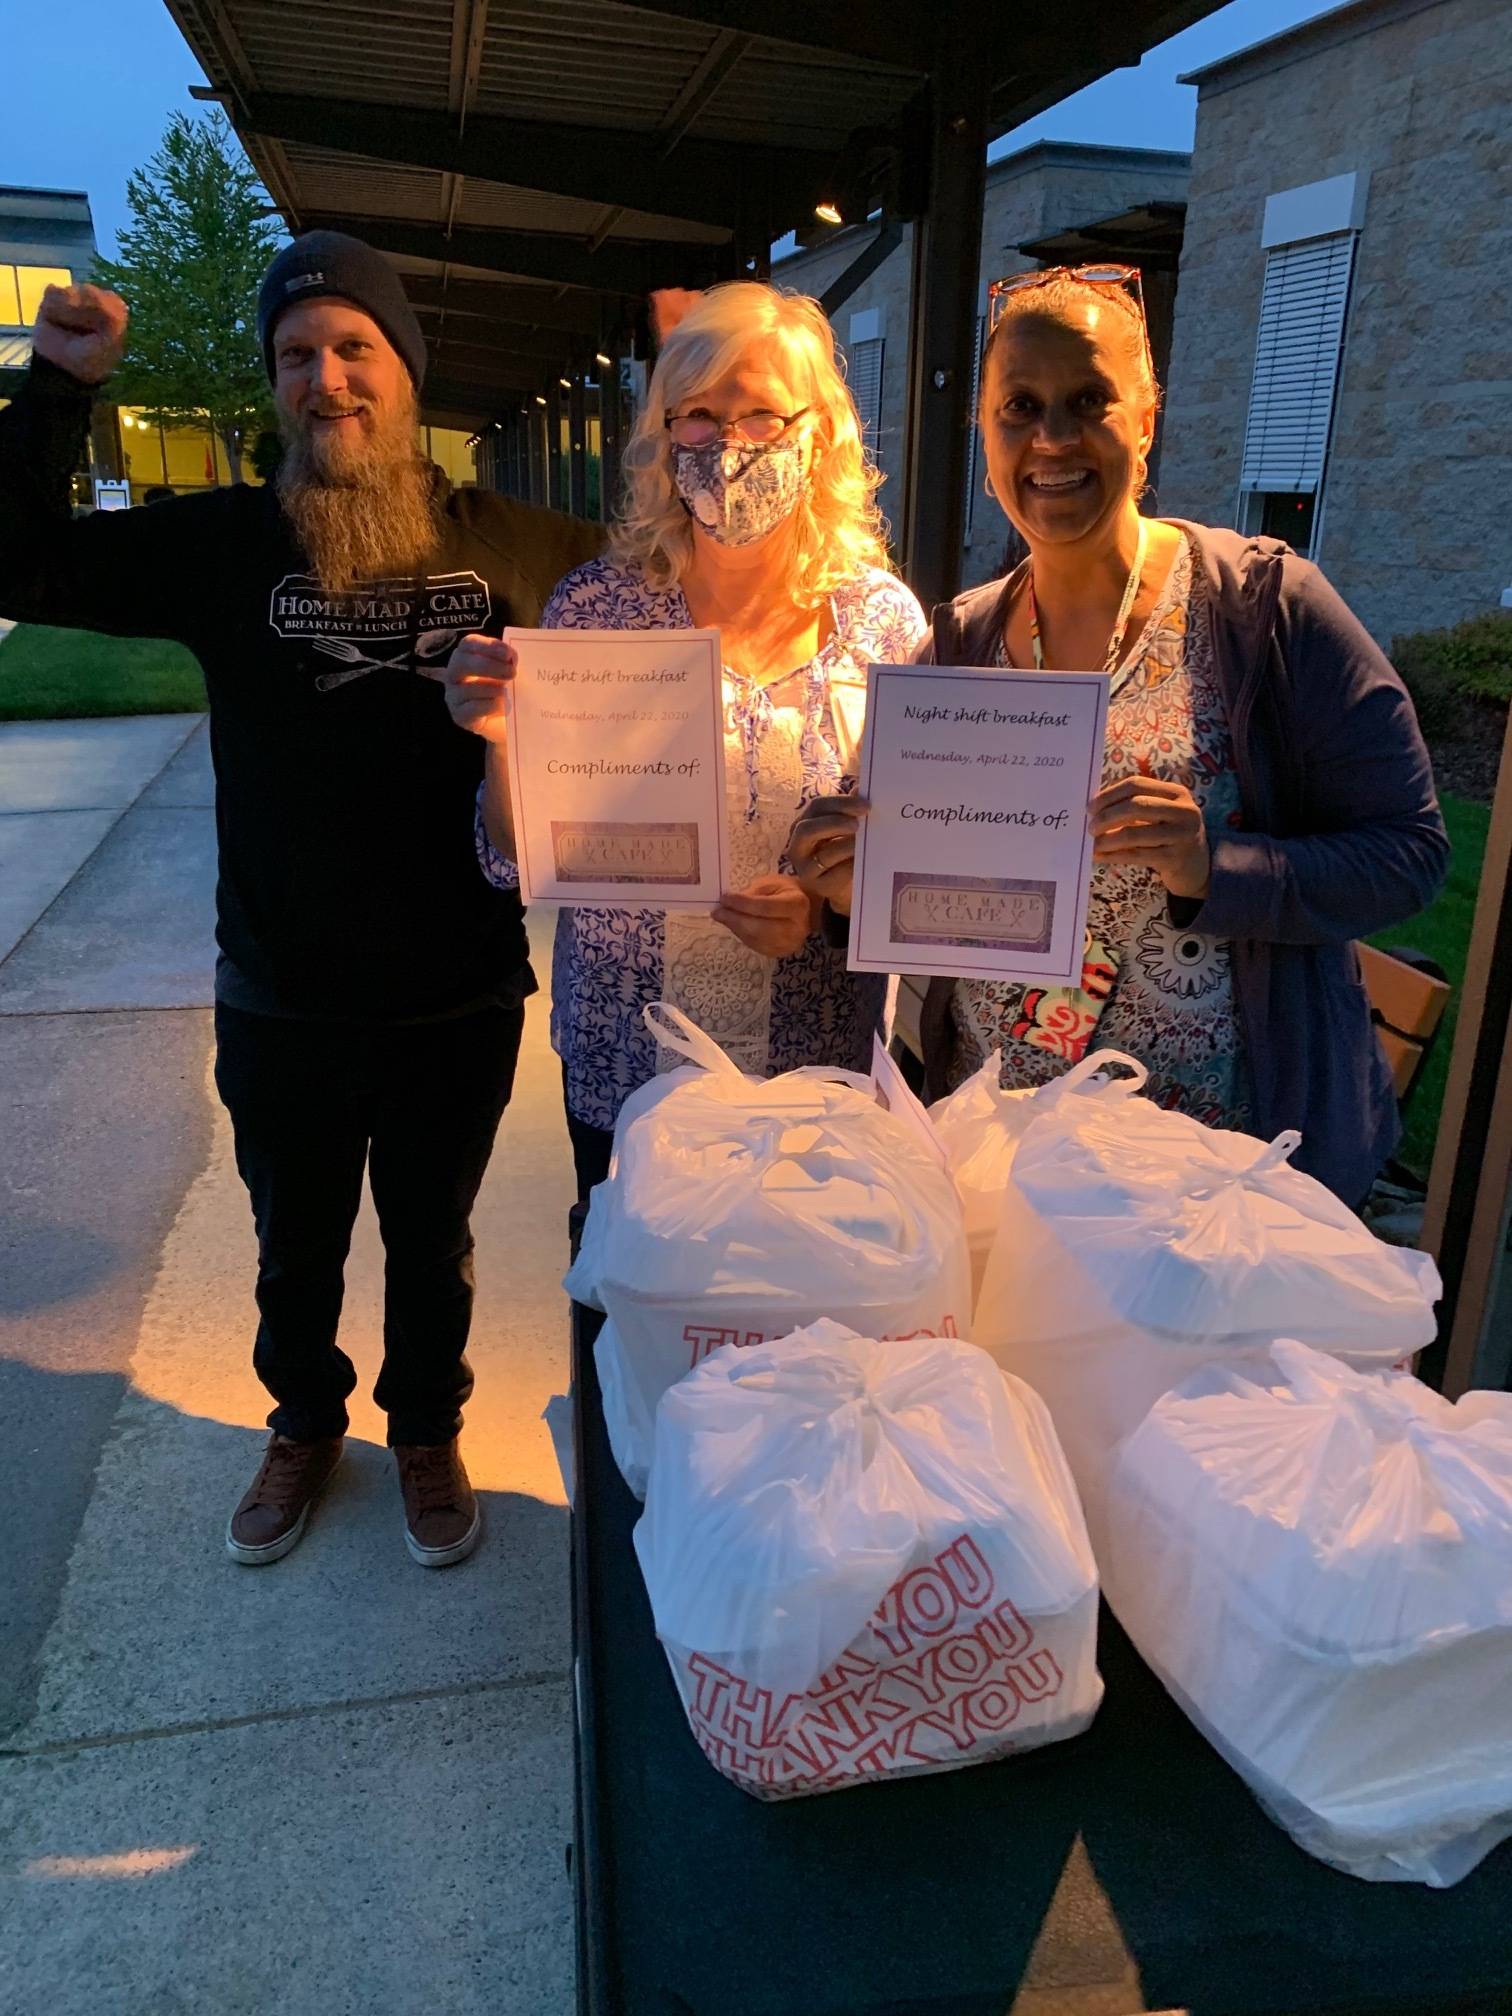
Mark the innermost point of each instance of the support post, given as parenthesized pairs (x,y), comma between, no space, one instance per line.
(611,431)
(556,474)
(500,446)
(519,454)
(577,445)
(946,260)
(535,421)
(1465,1223)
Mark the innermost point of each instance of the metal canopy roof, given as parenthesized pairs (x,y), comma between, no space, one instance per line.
(536,167)
(1148,236)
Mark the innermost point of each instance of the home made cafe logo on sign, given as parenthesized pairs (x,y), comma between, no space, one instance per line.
(973,910)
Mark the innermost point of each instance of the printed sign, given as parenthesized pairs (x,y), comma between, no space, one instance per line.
(975,858)
(616,766)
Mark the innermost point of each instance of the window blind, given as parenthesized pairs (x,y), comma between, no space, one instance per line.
(864,363)
(1302,309)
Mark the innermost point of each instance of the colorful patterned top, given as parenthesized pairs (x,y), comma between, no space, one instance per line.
(785,743)
(1161,993)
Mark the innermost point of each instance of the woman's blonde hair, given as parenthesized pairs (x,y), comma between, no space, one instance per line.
(838,530)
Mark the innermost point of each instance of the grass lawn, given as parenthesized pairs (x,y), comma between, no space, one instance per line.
(53,675)
(1443,933)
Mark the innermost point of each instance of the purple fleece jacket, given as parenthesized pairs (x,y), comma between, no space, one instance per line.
(1341,838)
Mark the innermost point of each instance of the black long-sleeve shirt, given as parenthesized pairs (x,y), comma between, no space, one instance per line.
(348,884)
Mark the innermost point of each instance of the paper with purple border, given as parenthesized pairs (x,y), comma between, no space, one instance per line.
(975,859)
(616,767)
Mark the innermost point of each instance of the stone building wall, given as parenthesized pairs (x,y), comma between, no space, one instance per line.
(1416,515)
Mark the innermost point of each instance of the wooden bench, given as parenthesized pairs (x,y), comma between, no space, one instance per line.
(1408,996)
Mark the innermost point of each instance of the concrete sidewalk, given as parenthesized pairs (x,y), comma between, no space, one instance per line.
(338,1784)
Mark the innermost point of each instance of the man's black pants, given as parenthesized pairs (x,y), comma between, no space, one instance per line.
(418,1104)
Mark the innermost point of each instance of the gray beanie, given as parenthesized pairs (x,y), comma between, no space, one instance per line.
(331,263)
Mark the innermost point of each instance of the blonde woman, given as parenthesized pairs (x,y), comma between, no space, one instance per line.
(750,509)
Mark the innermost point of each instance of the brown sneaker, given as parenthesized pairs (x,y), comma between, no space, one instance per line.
(270,1520)
(442,1519)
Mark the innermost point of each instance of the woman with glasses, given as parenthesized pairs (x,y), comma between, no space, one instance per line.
(750,509)
(1266,796)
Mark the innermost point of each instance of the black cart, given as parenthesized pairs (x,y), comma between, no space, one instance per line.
(1129,1870)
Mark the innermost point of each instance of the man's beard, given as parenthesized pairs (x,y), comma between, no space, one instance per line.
(361,510)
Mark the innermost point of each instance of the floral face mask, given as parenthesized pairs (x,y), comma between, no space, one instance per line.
(738,492)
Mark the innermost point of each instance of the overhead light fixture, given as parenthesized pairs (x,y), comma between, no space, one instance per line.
(828,212)
(540,399)
(607,362)
(565,383)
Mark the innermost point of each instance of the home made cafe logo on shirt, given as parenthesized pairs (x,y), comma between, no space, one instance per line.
(370,627)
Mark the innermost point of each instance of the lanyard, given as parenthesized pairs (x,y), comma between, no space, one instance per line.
(1131,589)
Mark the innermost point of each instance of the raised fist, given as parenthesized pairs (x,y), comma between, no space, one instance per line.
(82,330)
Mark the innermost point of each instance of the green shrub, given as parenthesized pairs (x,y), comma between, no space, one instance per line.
(1470,661)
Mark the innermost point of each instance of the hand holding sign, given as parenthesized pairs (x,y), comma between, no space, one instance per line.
(476,677)
(1154,823)
(773,916)
(822,848)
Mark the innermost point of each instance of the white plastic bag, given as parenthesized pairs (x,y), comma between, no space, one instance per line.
(1138,1245)
(866,1560)
(1318,1564)
(982,1122)
(738,1209)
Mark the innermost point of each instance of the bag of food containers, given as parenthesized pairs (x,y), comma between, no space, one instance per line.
(866,1560)
(982,1122)
(1138,1245)
(1318,1564)
(738,1209)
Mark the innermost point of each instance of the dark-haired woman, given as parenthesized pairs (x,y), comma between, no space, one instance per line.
(1266,796)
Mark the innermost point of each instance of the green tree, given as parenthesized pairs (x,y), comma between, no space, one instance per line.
(191,259)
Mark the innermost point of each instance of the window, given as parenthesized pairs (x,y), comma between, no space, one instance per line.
(864,361)
(1288,515)
(21,291)
(1297,354)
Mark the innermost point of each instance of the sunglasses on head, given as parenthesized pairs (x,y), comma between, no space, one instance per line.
(1123,279)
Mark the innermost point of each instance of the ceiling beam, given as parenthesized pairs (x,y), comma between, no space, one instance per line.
(894,32)
(457,358)
(621,269)
(723,57)
(511,340)
(520,307)
(492,371)
(481,401)
(704,182)
(1035,70)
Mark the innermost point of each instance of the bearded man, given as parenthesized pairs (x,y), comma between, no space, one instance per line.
(370,984)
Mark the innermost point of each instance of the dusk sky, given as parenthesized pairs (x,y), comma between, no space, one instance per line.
(89,87)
